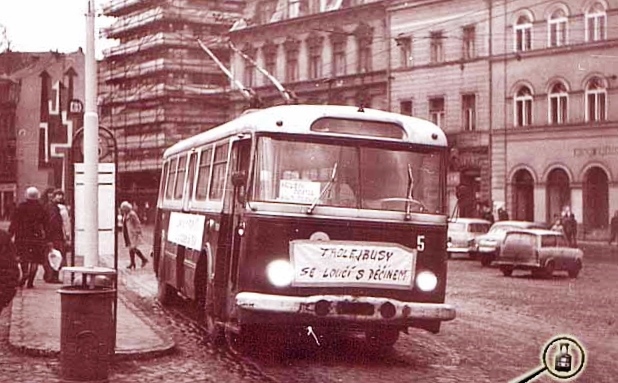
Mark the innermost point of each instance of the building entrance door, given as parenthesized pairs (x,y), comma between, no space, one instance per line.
(596,199)
(523,196)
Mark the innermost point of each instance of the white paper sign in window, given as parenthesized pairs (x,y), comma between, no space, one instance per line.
(186,230)
(345,263)
(298,191)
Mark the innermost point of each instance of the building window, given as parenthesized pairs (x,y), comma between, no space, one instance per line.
(293,8)
(523,107)
(436,110)
(291,59)
(265,10)
(469,38)
(315,56)
(596,23)
(523,34)
(596,100)
(270,58)
(249,68)
(557,28)
(405,51)
(437,52)
(468,109)
(364,38)
(339,61)
(405,108)
(558,98)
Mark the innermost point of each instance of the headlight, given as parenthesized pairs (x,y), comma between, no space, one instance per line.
(280,273)
(426,281)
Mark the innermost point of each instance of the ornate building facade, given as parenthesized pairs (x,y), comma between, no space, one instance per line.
(157,86)
(325,52)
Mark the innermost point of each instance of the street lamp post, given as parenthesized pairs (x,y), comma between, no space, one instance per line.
(91,155)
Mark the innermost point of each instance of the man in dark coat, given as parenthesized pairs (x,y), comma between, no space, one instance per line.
(28,226)
(9,271)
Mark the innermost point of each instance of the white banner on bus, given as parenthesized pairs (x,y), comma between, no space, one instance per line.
(345,263)
(299,191)
(186,230)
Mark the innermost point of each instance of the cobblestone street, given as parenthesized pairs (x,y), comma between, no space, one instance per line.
(498,318)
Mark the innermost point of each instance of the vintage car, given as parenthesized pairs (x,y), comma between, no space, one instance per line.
(541,251)
(487,247)
(462,232)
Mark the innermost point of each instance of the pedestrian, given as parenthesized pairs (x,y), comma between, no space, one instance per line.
(569,226)
(9,270)
(557,224)
(56,234)
(132,233)
(503,215)
(613,225)
(28,226)
(487,213)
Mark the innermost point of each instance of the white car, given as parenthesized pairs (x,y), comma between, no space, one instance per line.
(487,246)
(462,232)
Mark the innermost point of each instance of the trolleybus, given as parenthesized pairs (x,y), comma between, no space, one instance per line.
(319,217)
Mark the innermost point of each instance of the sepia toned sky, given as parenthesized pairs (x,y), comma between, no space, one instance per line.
(44,25)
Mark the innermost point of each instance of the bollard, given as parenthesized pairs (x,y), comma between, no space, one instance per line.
(88,331)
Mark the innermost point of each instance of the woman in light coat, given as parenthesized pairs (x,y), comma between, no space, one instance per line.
(132,233)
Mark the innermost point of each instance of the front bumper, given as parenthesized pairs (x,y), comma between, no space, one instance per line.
(345,308)
(487,249)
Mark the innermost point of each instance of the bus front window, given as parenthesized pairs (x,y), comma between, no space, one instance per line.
(348,175)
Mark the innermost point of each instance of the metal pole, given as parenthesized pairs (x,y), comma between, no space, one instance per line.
(91,152)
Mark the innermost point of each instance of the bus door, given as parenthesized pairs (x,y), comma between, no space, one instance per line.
(235,202)
(185,258)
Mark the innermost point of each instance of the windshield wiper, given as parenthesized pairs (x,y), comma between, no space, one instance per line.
(409,195)
(326,188)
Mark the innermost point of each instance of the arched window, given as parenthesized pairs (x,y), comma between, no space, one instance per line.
(557,28)
(558,104)
(596,22)
(596,100)
(523,107)
(523,34)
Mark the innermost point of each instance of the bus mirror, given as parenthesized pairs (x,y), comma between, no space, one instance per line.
(239,178)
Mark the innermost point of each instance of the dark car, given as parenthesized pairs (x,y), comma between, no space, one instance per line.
(540,251)
(487,247)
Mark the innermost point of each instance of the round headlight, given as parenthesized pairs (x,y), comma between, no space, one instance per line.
(426,281)
(280,273)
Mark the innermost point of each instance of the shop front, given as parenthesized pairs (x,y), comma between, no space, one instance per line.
(546,174)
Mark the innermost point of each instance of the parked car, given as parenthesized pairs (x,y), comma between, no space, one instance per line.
(540,251)
(487,247)
(462,232)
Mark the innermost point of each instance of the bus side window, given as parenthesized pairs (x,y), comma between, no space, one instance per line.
(164,175)
(180,177)
(218,171)
(203,174)
(189,192)
(171,177)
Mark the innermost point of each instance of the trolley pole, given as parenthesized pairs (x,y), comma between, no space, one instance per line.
(91,145)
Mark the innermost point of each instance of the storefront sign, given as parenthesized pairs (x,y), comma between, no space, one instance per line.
(343,263)
(596,151)
(186,230)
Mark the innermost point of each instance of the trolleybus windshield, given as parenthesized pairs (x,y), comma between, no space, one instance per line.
(365,176)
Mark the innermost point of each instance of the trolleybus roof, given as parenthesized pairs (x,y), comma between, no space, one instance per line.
(298,119)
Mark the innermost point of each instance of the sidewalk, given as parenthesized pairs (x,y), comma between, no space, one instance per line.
(36,320)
